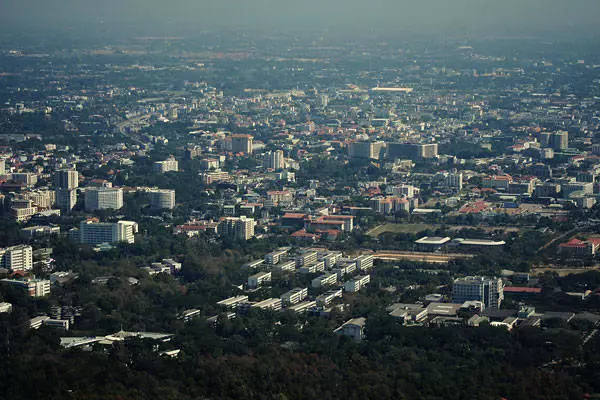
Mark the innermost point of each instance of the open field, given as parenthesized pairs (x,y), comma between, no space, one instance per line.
(416,228)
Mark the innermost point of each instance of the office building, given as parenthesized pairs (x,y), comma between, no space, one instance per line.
(26,178)
(66,199)
(94,233)
(487,290)
(168,165)
(103,199)
(66,179)
(162,198)
(237,227)
(274,160)
(412,151)
(560,140)
(366,150)
(241,143)
(17,258)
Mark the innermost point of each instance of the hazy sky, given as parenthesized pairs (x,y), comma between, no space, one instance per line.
(497,17)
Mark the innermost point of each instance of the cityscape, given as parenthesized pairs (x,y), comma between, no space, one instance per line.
(298,214)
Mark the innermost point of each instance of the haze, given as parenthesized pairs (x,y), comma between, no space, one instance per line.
(549,18)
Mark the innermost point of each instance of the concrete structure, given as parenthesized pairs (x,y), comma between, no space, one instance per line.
(354,328)
(232,302)
(17,258)
(259,279)
(33,287)
(103,199)
(324,280)
(364,262)
(268,304)
(237,227)
(274,160)
(94,233)
(354,285)
(306,258)
(294,296)
(241,143)
(366,150)
(162,198)
(66,199)
(487,290)
(66,179)
(168,165)
(326,298)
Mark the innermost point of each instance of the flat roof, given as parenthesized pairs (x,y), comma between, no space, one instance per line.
(433,240)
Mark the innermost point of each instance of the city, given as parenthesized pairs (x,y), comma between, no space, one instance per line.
(233,215)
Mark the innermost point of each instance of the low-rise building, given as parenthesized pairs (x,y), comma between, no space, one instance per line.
(354,328)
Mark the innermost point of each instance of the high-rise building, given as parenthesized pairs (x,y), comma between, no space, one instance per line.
(27,178)
(237,227)
(162,198)
(274,160)
(103,199)
(365,150)
(560,140)
(66,199)
(490,291)
(412,151)
(94,233)
(66,179)
(170,164)
(241,143)
(544,138)
(17,258)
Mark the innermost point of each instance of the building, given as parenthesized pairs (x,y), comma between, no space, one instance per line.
(294,296)
(162,198)
(215,176)
(354,328)
(366,150)
(364,262)
(26,178)
(241,143)
(2,166)
(17,258)
(94,233)
(324,280)
(259,279)
(33,287)
(66,179)
(559,141)
(168,165)
(268,304)
(21,210)
(232,302)
(275,256)
(66,199)
(241,228)
(326,298)
(487,290)
(274,160)
(412,151)
(354,285)
(103,199)
(306,258)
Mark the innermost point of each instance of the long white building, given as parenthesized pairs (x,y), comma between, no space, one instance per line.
(95,233)
(103,198)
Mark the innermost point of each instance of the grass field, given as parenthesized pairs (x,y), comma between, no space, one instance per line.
(416,228)
(400,228)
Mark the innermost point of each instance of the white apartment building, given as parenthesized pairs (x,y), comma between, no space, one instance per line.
(294,296)
(324,280)
(162,198)
(259,279)
(95,233)
(98,198)
(17,258)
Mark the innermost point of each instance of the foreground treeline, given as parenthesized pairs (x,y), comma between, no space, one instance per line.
(253,358)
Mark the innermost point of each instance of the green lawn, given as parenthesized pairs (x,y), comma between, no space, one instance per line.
(400,228)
